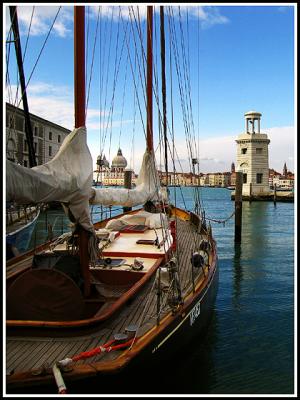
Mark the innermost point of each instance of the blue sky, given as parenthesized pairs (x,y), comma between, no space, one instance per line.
(241,58)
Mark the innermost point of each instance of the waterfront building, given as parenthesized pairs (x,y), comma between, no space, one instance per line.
(47,137)
(112,175)
(219,179)
(283,183)
(204,180)
(253,156)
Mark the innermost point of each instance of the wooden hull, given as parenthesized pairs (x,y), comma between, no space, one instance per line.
(174,336)
(155,343)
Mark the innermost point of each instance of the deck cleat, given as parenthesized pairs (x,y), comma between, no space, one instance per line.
(120,337)
(131,331)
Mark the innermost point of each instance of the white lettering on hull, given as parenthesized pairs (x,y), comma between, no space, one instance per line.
(195,312)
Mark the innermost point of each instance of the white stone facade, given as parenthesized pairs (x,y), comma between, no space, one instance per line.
(253,157)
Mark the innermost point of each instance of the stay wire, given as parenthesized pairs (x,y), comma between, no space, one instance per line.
(40,53)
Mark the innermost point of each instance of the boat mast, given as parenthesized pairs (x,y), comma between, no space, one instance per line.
(28,127)
(149,79)
(79,66)
(79,103)
(163,86)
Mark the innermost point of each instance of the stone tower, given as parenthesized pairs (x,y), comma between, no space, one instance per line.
(284,172)
(253,157)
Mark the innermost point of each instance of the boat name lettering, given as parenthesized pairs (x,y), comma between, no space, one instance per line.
(195,312)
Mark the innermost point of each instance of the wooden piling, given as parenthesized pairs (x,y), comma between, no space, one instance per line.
(275,194)
(127,185)
(238,207)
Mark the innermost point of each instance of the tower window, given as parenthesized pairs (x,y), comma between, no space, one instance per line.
(50,135)
(244,150)
(259,178)
(50,151)
(58,138)
(244,178)
(259,150)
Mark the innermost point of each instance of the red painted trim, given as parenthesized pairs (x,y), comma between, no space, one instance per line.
(124,254)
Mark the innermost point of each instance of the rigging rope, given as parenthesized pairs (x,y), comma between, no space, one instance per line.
(92,64)
(40,53)
(219,221)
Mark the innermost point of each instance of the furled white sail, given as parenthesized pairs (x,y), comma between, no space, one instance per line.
(147,188)
(66,178)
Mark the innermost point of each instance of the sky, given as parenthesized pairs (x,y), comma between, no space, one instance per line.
(236,57)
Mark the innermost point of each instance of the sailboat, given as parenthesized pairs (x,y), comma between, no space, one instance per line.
(20,224)
(109,294)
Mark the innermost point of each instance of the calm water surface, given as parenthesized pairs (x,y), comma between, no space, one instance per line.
(248,347)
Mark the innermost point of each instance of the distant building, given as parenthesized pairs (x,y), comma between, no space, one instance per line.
(283,183)
(219,179)
(179,178)
(47,137)
(253,157)
(284,180)
(114,175)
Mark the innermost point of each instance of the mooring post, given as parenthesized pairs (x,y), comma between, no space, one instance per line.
(127,185)
(275,194)
(250,192)
(238,207)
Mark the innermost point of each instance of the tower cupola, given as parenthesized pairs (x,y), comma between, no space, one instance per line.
(252,122)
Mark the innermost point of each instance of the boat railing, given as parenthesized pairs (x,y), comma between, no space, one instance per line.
(20,213)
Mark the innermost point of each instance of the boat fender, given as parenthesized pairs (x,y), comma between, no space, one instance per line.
(204,245)
(59,379)
(107,261)
(197,260)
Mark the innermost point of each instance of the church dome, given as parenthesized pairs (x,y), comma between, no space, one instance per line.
(119,161)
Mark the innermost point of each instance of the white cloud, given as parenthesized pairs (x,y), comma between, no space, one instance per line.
(217,154)
(208,16)
(42,19)
(54,103)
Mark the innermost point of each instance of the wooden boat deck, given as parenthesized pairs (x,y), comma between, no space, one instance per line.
(31,353)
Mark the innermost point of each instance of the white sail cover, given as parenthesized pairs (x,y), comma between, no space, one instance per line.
(66,178)
(147,188)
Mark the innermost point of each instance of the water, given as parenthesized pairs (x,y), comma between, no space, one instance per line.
(248,347)
(249,344)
